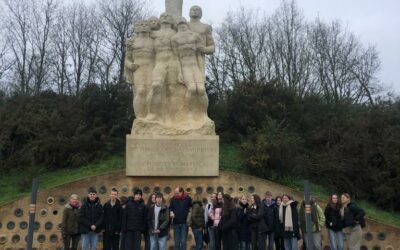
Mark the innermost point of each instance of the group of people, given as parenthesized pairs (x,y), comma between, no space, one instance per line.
(220,222)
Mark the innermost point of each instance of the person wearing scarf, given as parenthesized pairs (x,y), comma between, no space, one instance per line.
(179,209)
(353,220)
(334,223)
(318,222)
(70,223)
(289,220)
(244,227)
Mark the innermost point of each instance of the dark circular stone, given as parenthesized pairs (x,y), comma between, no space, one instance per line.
(220,189)
(3,239)
(43,212)
(251,189)
(124,189)
(209,190)
(48,225)
(53,238)
(55,212)
(62,200)
(15,239)
(240,189)
(59,226)
(18,212)
(230,190)
(157,190)
(50,200)
(23,225)
(41,238)
(167,190)
(146,190)
(103,190)
(10,225)
(199,190)
(36,226)
(381,236)
(188,190)
(368,236)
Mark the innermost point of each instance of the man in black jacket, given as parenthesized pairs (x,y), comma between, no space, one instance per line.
(90,220)
(134,220)
(270,220)
(112,222)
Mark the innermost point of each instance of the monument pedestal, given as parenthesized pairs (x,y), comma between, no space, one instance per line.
(178,155)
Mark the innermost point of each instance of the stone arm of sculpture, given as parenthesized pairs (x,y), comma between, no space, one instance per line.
(209,49)
(174,45)
(129,66)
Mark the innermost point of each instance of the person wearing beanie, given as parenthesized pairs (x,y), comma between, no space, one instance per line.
(179,209)
(90,220)
(70,224)
(134,221)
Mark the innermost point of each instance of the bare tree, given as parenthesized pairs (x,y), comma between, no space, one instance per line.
(119,16)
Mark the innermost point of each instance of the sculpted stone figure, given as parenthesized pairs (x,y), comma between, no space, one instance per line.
(187,44)
(205,32)
(165,70)
(154,23)
(139,62)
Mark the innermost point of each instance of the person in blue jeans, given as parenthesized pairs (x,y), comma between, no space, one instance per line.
(289,220)
(179,208)
(158,224)
(90,220)
(334,223)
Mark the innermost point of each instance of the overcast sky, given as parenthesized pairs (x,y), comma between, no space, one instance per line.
(375,22)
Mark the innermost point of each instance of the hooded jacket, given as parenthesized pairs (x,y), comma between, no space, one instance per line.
(134,216)
(70,221)
(91,213)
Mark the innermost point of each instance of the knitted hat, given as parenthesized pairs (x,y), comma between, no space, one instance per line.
(92,190)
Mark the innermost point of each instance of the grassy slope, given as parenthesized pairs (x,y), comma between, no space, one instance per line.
(229,160)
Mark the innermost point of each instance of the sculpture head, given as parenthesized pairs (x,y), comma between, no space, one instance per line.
(142,27)
(182,25)
(196,12)
(154,23)
(166,18)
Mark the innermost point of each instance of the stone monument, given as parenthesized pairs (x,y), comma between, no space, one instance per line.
(172,134)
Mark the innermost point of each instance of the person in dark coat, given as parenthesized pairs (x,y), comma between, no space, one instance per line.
(244,234)
(254,219)
(269,222)
(334,223)
(134,221)
(150,202)
(158,224)
(289,219)
(353,221)
(90,220)
(179,212)
(228,224)
(70,224)
(112,221)
(122,239)
(197,221)
(278,233)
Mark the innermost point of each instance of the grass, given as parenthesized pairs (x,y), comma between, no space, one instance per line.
(230,159)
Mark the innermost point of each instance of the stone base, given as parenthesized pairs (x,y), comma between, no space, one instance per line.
(179,155)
